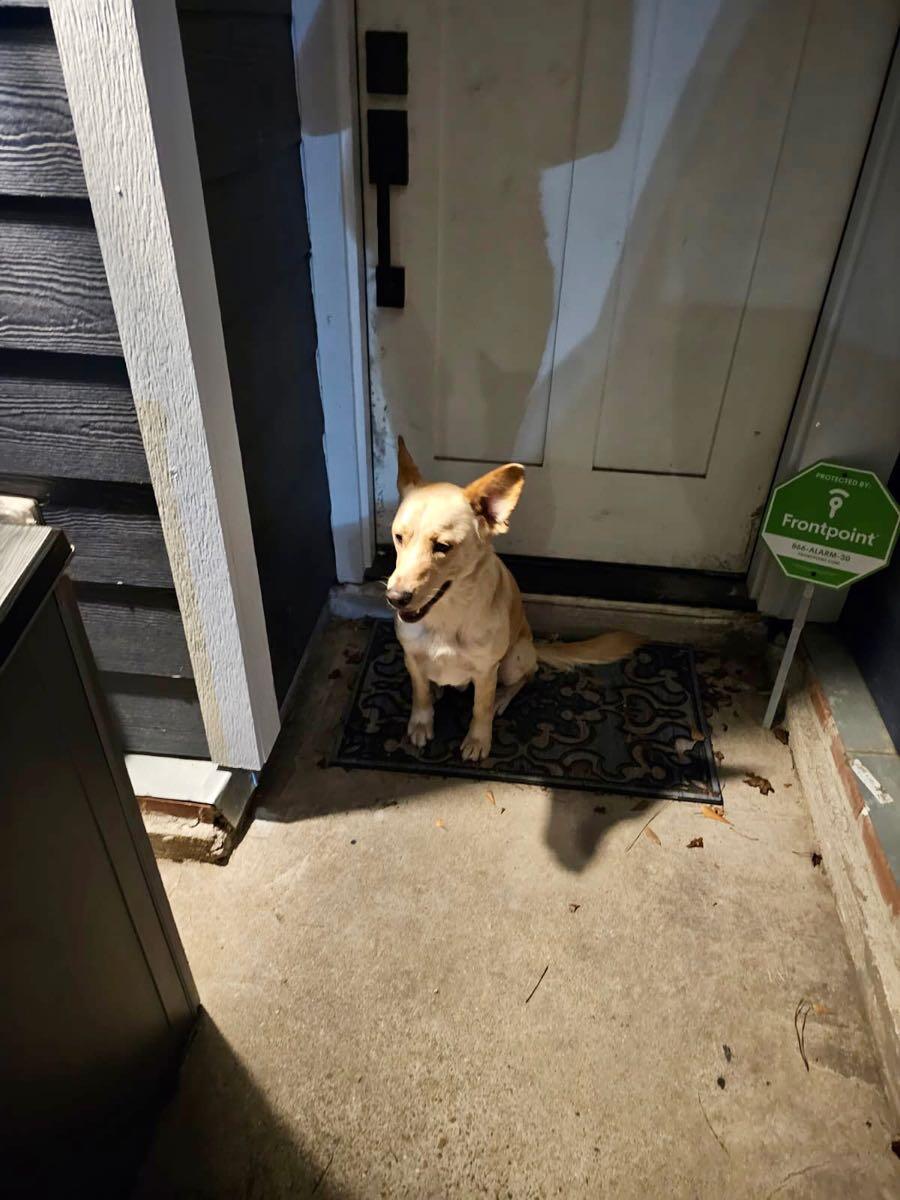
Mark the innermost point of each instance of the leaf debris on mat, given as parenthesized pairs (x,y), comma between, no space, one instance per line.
(782,734)
(815,858)
(760,782)
(439,824)
(573,907)
(652,835)
(695,843)
(489,796)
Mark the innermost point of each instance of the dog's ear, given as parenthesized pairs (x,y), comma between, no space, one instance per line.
(495,495)
(408,476)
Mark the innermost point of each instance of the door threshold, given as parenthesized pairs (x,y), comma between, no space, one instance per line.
(570,617)
(579,579)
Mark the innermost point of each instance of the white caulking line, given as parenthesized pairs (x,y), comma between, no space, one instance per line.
(862,772)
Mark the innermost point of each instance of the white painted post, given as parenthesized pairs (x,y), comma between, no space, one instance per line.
(125,78)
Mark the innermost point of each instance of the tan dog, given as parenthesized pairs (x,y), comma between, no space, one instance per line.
(459,614)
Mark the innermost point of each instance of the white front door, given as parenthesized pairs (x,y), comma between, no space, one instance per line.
(618,228)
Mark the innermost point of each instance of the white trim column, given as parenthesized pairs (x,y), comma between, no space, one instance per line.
(126,84)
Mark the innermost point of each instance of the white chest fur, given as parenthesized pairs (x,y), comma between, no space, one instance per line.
(443,655)
(449,659)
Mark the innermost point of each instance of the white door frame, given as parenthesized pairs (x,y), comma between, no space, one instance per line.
(327,80)
(325,62)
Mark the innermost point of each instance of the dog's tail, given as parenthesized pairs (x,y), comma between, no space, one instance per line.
(605,648)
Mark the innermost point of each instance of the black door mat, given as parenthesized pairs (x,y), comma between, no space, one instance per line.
(635,727)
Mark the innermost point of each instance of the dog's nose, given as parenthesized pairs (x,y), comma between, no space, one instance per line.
(398,599)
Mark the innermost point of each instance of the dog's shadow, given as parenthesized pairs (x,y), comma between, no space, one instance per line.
(578,822)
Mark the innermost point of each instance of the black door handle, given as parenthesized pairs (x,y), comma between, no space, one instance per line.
(388,167)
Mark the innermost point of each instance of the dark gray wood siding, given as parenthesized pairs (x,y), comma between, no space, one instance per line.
(240,72)
(38,156)
(68,431)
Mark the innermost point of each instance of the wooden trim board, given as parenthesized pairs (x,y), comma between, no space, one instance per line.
(124,73)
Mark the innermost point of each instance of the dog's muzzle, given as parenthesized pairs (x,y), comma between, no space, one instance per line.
(410,616)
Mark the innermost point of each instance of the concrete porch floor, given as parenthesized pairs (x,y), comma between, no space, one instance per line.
(365,972)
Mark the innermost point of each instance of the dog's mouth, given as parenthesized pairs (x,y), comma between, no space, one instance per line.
(410,616)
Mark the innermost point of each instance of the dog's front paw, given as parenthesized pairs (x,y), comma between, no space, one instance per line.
(420,729)
(476,745)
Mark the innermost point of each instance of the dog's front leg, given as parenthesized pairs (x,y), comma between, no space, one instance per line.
(421,720)
(477,742)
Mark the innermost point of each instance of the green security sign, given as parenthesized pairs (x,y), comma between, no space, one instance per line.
(831,525)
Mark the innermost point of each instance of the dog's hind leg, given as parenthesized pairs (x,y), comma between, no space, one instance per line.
(516,669)
(506,695)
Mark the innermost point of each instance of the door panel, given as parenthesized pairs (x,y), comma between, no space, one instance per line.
(619,225)
(507,112)
(712,121)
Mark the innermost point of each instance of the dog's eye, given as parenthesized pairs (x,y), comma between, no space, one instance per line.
(442,547)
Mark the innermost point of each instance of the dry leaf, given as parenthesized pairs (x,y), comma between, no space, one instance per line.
(787,785)
(714,814)
(489,796)
(573,908)
(719,756)
(652,835)
(815,858)
(695,843)
(759,782)
(440,824)
(335,674)
(782,735)
(821,1010)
